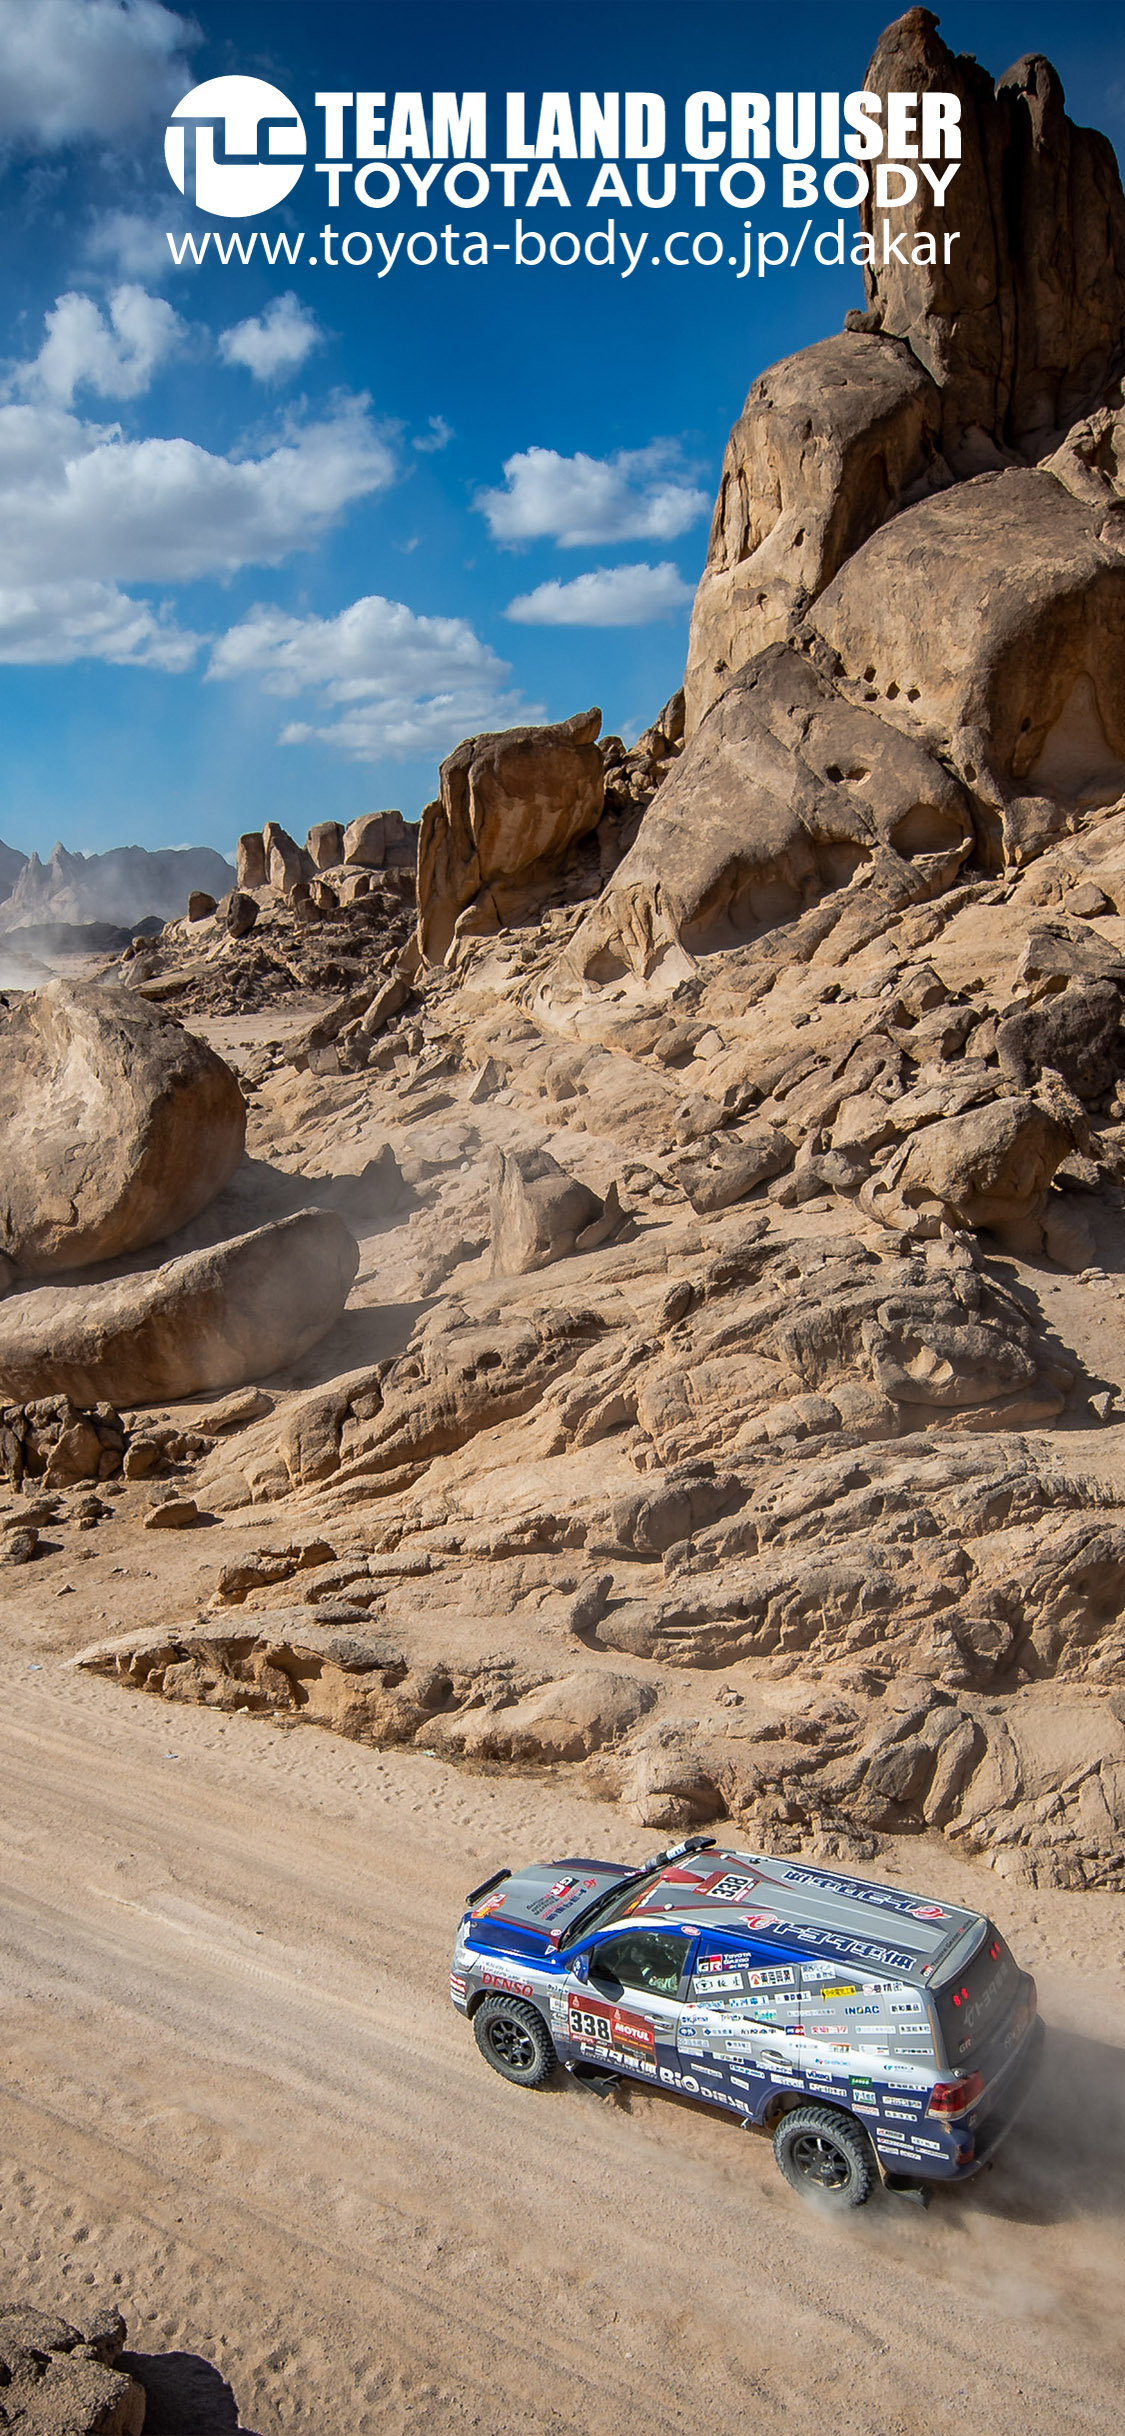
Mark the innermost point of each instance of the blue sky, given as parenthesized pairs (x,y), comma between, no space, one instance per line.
(273,539)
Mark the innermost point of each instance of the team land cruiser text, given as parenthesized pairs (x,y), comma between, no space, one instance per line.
(872,2031)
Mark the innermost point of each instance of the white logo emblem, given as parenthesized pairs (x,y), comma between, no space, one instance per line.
(235,145)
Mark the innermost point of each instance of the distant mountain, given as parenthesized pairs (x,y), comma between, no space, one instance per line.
(123,886)
(11,864)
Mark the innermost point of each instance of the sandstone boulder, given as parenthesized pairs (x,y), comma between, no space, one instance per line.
(786,792)
(286,862)
(324,844)
(375,839)
(1075,1031)
(827,445)
(988,1167)
(116,1126)
(250,862)
(509,804)
(736,1165)
(239,913)
(211,1319)
(1017,677)
(539,1214)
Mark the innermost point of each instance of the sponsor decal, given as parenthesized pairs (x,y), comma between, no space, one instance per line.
(716,1981)
(779,1975)
(610,2025)
(863,2107)
(859,1946)
(457,1987)
(863,2009)
(882,1898)
(511,1987)
(845,1990)
(495,1903)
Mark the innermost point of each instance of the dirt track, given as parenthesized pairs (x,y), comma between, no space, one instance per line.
(232,2082)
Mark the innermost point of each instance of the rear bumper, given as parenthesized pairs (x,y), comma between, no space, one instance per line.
(973,2147)
(998,2122)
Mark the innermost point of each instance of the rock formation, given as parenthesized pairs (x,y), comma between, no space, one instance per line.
(509,805)
(208,1320)
(59,2382)
(116,1127)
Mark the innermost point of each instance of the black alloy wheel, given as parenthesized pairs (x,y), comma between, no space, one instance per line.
(825,2156)
(515,2040)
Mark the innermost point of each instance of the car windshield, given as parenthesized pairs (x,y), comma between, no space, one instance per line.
(610,1905)
(971,2004)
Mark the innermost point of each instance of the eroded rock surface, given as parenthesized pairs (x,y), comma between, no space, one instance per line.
(509,805)
(207,1320)
(116,1127)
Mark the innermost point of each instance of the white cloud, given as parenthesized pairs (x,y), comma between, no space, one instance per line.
(53,623)
(438,437)
(88,68)
(276,342)
(114,354)
(638,495)
(78,499)
(401,684)
(607,596)
(84,511)
(135,247)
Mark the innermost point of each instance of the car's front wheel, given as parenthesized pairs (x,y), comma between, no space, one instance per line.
(825,2156)
(515,2040)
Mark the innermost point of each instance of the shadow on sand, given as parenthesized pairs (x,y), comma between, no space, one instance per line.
(184,2395)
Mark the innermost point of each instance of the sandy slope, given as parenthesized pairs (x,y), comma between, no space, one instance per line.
(231,2081)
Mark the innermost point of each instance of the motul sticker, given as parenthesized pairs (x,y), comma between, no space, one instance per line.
(610,2026)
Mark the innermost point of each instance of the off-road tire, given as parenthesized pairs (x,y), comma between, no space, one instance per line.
(825,2156)
(515,2040)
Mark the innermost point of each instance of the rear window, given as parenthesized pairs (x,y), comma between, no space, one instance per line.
(971,2006)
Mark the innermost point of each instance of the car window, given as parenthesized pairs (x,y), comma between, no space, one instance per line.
(650,1959)
(971,2006)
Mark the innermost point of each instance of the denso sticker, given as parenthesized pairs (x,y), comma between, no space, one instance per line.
(511,1987)
(609,2025)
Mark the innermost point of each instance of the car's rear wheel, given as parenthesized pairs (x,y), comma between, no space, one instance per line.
(825,2156)
(515,2040)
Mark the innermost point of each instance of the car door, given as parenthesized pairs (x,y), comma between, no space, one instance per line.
(624,2001)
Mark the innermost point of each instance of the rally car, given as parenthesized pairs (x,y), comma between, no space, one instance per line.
(873,2032)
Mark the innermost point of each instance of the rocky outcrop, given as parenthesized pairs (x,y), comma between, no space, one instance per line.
(116,1127)
(210,1319)
(828,444)
(1017,680)
(1022,327)
(59,2382)
(509,807)
(787,792)
(998,350)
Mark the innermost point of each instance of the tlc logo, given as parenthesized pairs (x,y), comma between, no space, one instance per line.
(235,146)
